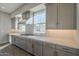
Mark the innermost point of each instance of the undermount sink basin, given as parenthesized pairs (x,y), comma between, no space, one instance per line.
(27,34)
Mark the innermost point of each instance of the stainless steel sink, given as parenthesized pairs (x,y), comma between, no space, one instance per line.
(27,34)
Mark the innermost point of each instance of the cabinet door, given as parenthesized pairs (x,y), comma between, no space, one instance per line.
(12,39)
(48,49)
(51,16)
(66,16)
(24,43)
(37,47)
(18,42)
(28,45)
(63,53)
(15,40)
(66,51)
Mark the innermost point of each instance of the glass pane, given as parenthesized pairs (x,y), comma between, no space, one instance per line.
(36,19)
(21,27)
(39,28)
(29,21)
(39,17)
(36,28)
(42,20)
(42,28)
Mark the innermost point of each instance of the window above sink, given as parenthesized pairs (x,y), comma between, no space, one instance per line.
(36,21)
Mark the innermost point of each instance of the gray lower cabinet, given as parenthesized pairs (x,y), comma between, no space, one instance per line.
(13,40)
(24,43)
(40,48)
(37,47)
(18,41)
(66,51)
(28,45)
(48,49)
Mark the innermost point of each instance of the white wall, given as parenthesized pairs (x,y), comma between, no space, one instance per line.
(5,25)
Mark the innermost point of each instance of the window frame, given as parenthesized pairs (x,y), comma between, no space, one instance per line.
(40,23)
(32,14)
(21,27)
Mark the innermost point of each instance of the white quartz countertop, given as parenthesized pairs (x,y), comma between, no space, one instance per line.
(60,41)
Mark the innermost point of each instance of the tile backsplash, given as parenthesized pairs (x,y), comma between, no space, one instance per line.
(77,35)
(66,34)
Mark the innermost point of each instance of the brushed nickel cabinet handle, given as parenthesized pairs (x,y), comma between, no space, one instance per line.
(65,49)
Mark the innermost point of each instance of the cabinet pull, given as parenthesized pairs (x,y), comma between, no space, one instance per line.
(65,49)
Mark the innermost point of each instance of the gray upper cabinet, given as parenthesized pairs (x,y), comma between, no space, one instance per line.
(51,16)
(61,16)
(66,16)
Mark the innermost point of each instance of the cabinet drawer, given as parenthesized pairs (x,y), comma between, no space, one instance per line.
(67,49)
(49,44)
(37,42)
(64,53)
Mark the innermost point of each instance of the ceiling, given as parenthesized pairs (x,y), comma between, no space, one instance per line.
(9,7)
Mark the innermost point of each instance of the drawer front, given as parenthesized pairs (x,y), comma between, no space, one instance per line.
(37,42)
(49,44)
(63,53)
(67,49)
